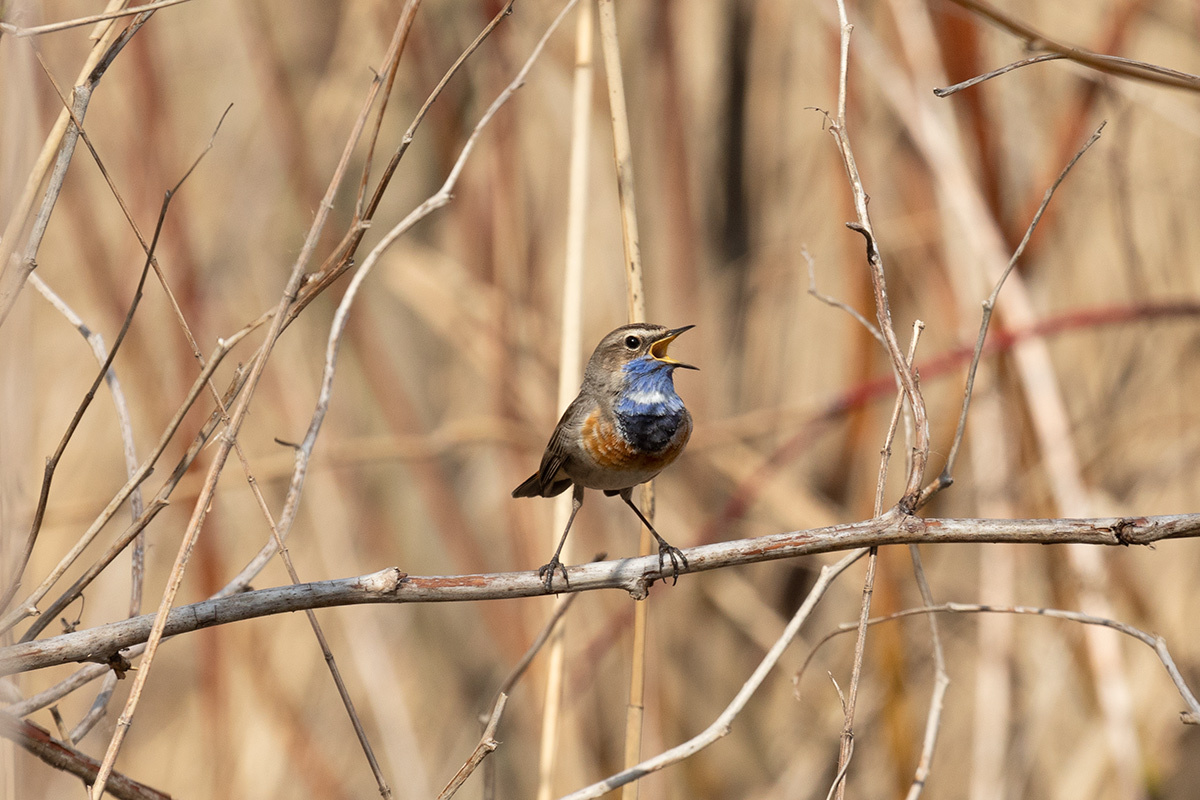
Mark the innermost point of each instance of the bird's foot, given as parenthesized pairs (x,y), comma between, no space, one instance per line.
(546,572)
(675,555)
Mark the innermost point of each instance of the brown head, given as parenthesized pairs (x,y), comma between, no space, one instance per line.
(639,340)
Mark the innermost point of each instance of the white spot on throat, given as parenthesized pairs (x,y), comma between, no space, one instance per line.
(647,397)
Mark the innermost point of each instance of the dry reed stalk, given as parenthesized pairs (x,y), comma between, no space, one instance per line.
(636,300)
(570,368)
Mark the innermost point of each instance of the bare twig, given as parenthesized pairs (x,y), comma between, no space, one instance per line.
(837,127)
(721,726)
(978,79)
(15,271)
(342,257)
(904,375)
(631,575)
(400,38)
(411,132)
(64,757)
(487,744)
(850,700)
(1155,643)
(53,27)
(835,303)
(124,423)
(941,682)
(1113,65)
(491,720)
(303,451)
(947,475)
(28,605)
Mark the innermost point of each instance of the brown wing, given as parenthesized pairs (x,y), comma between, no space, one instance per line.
(549,481)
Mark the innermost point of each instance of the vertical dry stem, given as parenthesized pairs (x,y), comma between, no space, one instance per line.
(636,297)
(570,364)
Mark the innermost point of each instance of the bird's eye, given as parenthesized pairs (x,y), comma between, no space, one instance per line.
(633,342)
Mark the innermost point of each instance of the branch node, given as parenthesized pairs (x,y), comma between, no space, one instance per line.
(1120,531)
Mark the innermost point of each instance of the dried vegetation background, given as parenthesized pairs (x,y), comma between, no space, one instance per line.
(446,387)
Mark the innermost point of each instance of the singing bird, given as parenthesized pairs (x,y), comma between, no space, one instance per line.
(625,426)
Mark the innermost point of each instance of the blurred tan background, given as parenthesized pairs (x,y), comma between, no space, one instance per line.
(447,382)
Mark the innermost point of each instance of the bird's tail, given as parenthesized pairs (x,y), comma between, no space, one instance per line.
(532,487)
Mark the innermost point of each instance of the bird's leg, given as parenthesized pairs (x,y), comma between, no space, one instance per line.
(670,551)
(546,571)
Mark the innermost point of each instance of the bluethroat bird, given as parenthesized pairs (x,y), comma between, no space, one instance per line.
(625,426)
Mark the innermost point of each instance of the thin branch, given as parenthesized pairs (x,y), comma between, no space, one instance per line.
(492,720)
(850,699)
(837,127)
(1113,65)
(721,726)
(978,79)
(15,271)
(947,475)
(632,575)
(835,303)
(902,369)
(62,756)
(1154,642)
(341,259)
(53,27)
(885,453)
(27,606)
(941,682)
(487,744)
(400,40)
(411,133)
(52,462)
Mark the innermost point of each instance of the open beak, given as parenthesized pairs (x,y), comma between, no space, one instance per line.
(659,349)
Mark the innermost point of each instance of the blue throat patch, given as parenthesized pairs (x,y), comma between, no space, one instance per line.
(648,411)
